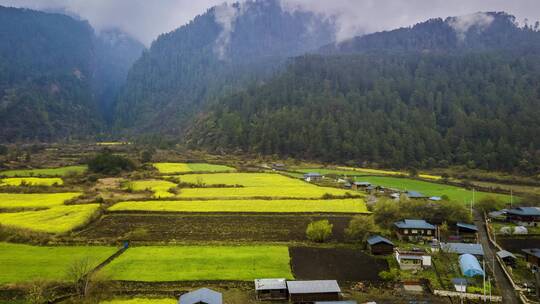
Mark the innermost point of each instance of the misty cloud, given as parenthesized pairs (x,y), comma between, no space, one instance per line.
(462,24)
(146,20)
(226,15)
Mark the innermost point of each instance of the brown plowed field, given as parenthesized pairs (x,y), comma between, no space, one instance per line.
(207,227)
(341,264)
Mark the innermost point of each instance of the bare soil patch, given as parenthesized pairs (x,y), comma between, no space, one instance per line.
(341,264)
(208,227)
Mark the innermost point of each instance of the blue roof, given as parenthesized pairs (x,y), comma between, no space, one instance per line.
(414,224)
(415,194)
(467,226)
(378,239)
(531,211)
(204,295)
(463,248)
(469,266)
(435,198)
(459,281)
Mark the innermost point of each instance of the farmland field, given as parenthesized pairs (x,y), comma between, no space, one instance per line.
(210,227)
(172,168)
(62,171)
(58,219)
(268,206)
(307,191)
(198,263)
(159,187)
(34,200)
(430,189)
(31,181)
(23,263)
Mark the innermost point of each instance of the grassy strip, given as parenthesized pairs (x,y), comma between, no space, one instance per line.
(159,187)
(200,263)
(268,206)
(430,189)
(58,219)
(62,171)
(35,200)
(31,181)
(23,263)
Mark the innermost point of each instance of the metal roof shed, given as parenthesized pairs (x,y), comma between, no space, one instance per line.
(469,266)
(312,291)
(203,295)
(463,248)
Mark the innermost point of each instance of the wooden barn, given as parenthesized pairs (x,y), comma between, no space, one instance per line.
(271,289)
(532,256)
(313,291)
(378,245)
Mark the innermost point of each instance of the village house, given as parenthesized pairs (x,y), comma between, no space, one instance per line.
(271,289)
(412,259)
(312,176)
(279,167)
(201,296)
(460,284)
(360,185)
(415,195)
(532,256)
(379,245)
(524,216)
(507,257)
(465,232)
(313,291)
(414,230)
(336,302)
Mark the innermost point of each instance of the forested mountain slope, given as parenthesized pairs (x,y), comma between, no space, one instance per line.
(215,54)
(396,106)
(52,69)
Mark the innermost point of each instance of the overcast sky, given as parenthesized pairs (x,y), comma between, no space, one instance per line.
(145,19)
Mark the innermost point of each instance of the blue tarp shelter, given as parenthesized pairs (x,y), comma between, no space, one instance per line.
(469,266)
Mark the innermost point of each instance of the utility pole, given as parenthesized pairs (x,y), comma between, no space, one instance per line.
(511,198)
(484,277)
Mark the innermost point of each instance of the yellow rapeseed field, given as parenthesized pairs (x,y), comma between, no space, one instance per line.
(172,168)
(31,181)
(35,200)
(159,187)
(58,219)
(270,206)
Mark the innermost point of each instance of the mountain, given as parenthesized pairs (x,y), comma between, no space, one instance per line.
(475,32)
(424,97)
(217,53)
(53,71)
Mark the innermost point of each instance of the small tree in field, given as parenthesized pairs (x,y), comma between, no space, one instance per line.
(319,231)
(488,204)
(360,227)
(78,273)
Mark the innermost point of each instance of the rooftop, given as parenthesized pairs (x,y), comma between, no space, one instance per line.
(203,295)
(532,251)
(378,239)
(362,184)
(337,302)
(322,286)
(415,194)
(312,174)
(505,254)
(270,284)
(463,248)
(467,226)
(530,211)
(414,224)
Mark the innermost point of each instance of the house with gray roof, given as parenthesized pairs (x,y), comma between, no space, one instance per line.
(271,289)
(313,291)
(379,245)
(415,230)
(415,195)
(524,216)
(201,296)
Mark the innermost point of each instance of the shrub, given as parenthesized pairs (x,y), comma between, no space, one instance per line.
(390,275)
(488,204)
(319,231)
(110,164)
(360,227)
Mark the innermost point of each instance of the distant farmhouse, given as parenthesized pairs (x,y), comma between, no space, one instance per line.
(379,245)
(201,296)
(412,259)
(312,176)
(415,230)
(312,291)
(271,289)
(524,216)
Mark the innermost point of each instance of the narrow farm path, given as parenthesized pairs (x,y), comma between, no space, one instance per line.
(507,291)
